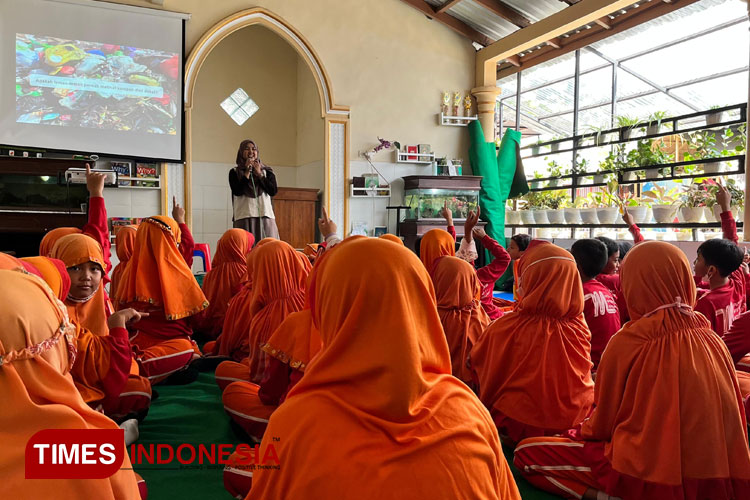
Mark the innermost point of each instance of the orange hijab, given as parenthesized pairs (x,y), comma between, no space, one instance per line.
(296,341)
(227,270)
(393,238)
(278,278)
(37,352)
(383,380)
(233,340)
(458,293)
(53,272)
(436,243)
(668,406)
(311,250)
(534,363)
(10,262)
(124,241)
(157,273)
(74,250)
(49,239)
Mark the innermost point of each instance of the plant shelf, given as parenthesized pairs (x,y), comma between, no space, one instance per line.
(422,158)
(371,192)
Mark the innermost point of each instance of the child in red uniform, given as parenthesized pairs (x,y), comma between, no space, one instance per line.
(719,262)
(599,306)
(610,275)
(488,274)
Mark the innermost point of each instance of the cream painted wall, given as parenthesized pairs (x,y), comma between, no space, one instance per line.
(310,125)
(265,66)
(385,60)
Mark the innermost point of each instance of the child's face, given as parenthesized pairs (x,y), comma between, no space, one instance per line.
(613,264)
(514,251)
(700,267)
(85,279)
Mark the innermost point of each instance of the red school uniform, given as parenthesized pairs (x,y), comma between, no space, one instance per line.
(602,316)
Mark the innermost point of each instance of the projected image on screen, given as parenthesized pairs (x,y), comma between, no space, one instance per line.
(73,83)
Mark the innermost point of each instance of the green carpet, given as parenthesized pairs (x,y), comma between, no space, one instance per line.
(194,414)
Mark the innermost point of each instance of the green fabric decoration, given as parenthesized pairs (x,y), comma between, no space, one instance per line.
(502,177)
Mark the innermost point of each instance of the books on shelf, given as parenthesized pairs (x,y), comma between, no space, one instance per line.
(147,175)
(123,170)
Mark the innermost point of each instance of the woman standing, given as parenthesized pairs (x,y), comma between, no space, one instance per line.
(253,184)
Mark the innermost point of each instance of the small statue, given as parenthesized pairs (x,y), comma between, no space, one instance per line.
(467,105)
(456,104)
(446,103)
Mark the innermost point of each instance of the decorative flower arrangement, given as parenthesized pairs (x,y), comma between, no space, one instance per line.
(382,144)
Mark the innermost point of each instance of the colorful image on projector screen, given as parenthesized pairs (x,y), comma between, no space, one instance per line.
(73,83)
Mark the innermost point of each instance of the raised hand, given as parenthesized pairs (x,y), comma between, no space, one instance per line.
(94,182)
(724,198)
(446,214)
(627,217)
(178,213)
(479,233)
(326,226)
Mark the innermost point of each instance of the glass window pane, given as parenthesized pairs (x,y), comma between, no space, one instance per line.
(563,66)
(240,116)
(250,107)
(239,96)
(702,56)
(596,87)
(229,105)
(730,89)
(595,119)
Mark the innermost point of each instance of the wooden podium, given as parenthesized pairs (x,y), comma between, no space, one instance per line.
(296,212)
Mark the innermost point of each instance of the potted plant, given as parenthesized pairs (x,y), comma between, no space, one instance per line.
(587,209)
(626,124)
(637,207)
(534,183)
(556,146)
(571,212)
(607,202)
(738,199)
(555,170)
(538,205)
(702,146)
(524,209)
(556,201)
(714,118)
(693,202)
(647,153)
(512,216)
(535,148)
(663,206)
(654,122)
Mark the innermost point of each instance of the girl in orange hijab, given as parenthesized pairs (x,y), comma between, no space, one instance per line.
(223,280)
(383,379)
(232,342)
(458,292)
(124,241)
(87,302)
(290,349)
(158,281)
(533,365)
(669,421)
(434,244)
(393,238)
(104,372)
(278,281)
(37,351)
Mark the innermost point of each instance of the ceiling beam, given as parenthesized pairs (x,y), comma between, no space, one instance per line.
(514,60)
(560,23)
(447,5)
(451,22)
(632,18)
(505,11)
(604,22)
(555,42)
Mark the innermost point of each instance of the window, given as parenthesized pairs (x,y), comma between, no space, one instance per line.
(239,106)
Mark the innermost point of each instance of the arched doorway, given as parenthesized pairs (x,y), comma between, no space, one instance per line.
(336,137)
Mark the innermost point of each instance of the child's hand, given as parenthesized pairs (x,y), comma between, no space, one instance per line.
(178,213)
(94,182)
(327,226)
(723,198)
(471,221)
(446,213)
(479,233)
(627,217)
(122,318)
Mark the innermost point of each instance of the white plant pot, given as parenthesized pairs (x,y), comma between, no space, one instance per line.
(664,214)
(652,174)
(717,213)
(535,184)
(652,129)
(684,236)
(540,216)
(714,118)
(572,215)
(556,216)
(588,216)
(512,217)
(598,179)
(691,214)
(527,217)
(640,214)
(629,176)
(607,215)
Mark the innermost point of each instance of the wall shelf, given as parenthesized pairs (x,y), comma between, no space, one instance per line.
(364,193)
(456,121)
(422,158)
